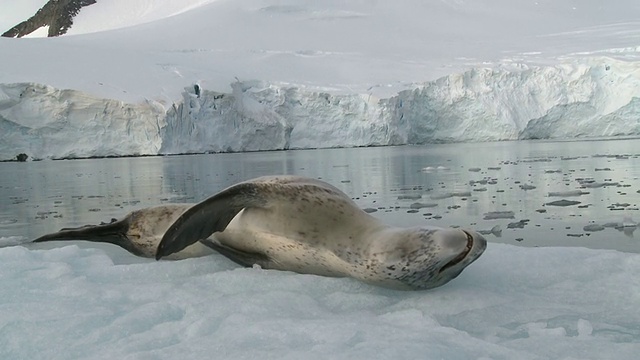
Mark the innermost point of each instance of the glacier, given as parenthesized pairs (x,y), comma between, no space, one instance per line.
(585,97)
(44,122)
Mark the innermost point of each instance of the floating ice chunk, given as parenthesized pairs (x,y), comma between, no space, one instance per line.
(593,227)
(628,222)
(418,205)
(518,225)
(409,197)
(493,215)
(567,193)
(613,225)
(434,168)
(563,202)
(481,182)
(619,205)
(496,231)
(594,185)
(450,195)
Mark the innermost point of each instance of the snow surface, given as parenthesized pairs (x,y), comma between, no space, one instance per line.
(512,303)
(129,13)
(300,74)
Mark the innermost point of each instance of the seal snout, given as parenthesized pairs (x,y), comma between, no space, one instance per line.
(468,245)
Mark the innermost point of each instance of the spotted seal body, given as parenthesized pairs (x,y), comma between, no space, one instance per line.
(139,232)
(308,226)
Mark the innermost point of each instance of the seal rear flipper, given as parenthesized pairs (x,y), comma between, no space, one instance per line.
(209,216)
(112,233)
(239,257)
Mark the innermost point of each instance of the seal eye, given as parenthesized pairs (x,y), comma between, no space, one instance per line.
(462,255)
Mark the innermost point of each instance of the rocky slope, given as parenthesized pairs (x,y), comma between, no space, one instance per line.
(57,15)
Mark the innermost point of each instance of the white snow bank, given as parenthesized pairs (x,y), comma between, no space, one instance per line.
(342,46)
(591,97)
(513,303)
(100,16)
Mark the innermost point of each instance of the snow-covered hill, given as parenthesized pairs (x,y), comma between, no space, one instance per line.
(297,74)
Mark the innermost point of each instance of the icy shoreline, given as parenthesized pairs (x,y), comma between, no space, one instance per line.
(590,97)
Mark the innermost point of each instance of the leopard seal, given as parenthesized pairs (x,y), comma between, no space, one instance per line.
(308,226)
(139,232)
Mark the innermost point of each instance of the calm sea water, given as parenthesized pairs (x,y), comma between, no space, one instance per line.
(446,185)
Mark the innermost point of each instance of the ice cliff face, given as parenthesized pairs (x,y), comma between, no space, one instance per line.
(218,122)
(591,98)
(262,116)
(44,122)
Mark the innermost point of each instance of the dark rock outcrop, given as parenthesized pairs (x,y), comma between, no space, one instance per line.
(57,14)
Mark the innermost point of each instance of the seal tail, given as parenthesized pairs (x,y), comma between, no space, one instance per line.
(112,233)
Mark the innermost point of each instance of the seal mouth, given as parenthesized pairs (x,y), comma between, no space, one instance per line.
(462,255)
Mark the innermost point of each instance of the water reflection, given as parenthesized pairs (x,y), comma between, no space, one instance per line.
(41,197)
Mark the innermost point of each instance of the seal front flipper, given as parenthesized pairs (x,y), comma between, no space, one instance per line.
(209,216)
(239,257)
